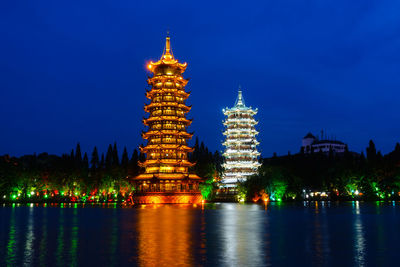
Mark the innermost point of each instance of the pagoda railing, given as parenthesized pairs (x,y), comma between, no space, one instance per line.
(155,190)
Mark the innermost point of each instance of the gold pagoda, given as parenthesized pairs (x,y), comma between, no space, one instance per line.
(166,177)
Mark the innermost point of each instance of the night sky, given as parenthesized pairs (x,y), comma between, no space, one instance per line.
(74,71)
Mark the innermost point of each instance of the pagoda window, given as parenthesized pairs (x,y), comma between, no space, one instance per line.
(169,112)
(157,112)
(169,126)
(169,97)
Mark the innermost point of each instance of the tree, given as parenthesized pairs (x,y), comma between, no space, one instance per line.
(115,159)
(133,168)
(124,159)
(371,151)
(135,157)
(72,155)
(78,155)
(109,157)
(102,162)
(85,161)
(95,159)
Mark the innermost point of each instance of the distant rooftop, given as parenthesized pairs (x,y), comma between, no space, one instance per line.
(328,142)
(309,135)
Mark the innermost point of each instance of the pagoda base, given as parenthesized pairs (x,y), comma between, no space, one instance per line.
(167,198)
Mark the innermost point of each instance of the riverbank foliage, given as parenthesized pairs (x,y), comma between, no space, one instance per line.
(327,176)
(74,177)
(105,177)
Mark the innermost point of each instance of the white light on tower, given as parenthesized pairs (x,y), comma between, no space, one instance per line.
(241,155)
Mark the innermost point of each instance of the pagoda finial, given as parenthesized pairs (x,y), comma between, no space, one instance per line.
(239,99)
(167,55)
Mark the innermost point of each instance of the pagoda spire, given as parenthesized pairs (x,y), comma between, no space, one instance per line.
(239,100)
(167,55)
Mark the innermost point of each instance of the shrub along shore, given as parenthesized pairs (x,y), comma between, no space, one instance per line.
(104,178)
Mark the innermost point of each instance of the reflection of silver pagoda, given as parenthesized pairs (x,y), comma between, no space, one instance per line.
(240,144)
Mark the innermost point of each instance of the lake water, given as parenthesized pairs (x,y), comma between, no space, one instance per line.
(226,234)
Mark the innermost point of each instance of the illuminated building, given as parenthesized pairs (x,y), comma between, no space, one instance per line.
(166,177)
(240,144)
(311,144)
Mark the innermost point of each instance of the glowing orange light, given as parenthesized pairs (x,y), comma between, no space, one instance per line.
(166,149)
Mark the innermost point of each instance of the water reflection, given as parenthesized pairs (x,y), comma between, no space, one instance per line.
(12,241)
(43,241)
(320,239)
(359,244)
(74,237)
(242,237)
(29,250)
(164,235)
(316,233)
(113,238)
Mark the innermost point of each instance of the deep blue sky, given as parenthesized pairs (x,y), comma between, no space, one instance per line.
(75,70)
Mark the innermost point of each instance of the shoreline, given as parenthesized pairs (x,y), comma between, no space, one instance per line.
(207,202)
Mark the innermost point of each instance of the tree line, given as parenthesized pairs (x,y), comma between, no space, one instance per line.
(77,176)
(326,176)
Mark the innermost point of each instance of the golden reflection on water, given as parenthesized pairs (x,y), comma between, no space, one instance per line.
(164,235)
(193,235)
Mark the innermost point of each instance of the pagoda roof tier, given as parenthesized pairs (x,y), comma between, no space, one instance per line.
(150,94)
(241,129)
(166,146)
(240,141)
(231,133)
(183,134)
(235,144)
(242,164)
(167,176)
(169,162)
(187,122)
(240,158)
(156,80)
(247,111)
(231,151)
(168,104)
(240,107)
(245,121)
(167,59)
(153,67)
